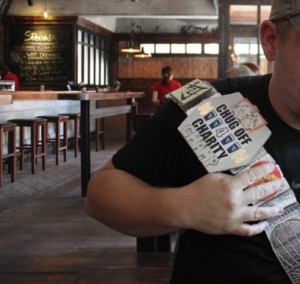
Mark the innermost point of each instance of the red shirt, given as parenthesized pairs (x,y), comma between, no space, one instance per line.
(164,90)
(12,77)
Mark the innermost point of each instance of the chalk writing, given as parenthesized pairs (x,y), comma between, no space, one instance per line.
(43,53)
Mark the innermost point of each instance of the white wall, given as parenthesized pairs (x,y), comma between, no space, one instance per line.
(31,109)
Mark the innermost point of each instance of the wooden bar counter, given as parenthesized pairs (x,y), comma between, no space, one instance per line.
(85,97)
(71,95)
(6,99)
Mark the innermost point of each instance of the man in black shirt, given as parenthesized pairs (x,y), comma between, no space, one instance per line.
(156,185)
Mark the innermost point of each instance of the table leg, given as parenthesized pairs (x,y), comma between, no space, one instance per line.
(129,120)
(85,146)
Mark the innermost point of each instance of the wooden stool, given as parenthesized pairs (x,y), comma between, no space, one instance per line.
(99,132)
(61,141)
(76,118)
(8,128)
(35,144)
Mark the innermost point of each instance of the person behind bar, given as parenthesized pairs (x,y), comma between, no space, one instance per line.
(7,74)
(239,71)
(155,184)
(115,86)
(166,85)
(253,66)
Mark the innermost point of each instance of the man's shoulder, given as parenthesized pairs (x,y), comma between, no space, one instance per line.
(240,84)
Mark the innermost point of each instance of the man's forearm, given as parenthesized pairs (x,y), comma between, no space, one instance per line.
(129,205)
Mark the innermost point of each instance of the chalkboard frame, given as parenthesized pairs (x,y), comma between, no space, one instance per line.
(24,43)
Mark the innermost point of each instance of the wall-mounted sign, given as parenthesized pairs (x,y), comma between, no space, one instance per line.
(41,53)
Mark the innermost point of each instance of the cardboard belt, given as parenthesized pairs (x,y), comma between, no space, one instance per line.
(284,235)
(283,231)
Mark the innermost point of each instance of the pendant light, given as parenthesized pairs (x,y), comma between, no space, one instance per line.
(131,48)
(45,10)
(142,54)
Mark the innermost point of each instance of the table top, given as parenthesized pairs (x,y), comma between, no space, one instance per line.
(94,96)
(69,95)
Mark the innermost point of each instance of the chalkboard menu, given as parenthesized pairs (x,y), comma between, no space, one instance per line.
(42,53)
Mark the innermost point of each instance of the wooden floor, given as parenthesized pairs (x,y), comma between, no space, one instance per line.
(47,237)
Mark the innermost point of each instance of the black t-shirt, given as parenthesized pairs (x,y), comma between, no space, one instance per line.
(160,156)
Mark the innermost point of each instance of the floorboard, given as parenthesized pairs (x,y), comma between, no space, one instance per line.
(47,237)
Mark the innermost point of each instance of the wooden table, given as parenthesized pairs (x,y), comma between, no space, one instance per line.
(85,97)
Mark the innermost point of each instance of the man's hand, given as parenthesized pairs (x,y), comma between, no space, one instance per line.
(219,204)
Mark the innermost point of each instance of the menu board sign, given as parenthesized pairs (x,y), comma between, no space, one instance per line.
(42,53)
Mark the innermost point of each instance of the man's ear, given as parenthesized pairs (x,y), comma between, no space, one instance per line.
(268,38)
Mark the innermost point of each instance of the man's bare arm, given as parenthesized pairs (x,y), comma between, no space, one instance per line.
(214,204)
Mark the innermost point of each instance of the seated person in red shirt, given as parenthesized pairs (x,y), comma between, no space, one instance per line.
(164,86)
(10,76)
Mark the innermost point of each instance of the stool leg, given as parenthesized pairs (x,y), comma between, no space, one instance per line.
(57,141)
(76,129)
(37,151)
(97,128)
(1,157)
(33,148)
(44,145)
(46,134)
(12,150)
(41,144)
(99,121)
(65,139)
(102,128)
(21,132)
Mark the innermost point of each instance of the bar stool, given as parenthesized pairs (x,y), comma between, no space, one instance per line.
(99,132)
(8,129)
(35,124)
(75,117)
(61,141)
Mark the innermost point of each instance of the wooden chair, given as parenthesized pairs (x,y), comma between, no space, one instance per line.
(36,146)
(99,133)
(60,140)
(8,129)
(75,117)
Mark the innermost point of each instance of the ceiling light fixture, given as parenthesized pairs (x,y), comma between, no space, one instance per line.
(142,54)
(45,10)
(131,48)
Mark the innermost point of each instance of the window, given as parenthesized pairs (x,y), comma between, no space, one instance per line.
(181,48)
(211,48)
(162,48)
(248,14)
(194,48)
(148,47)
(93,58)
(243,41)
(178,48)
